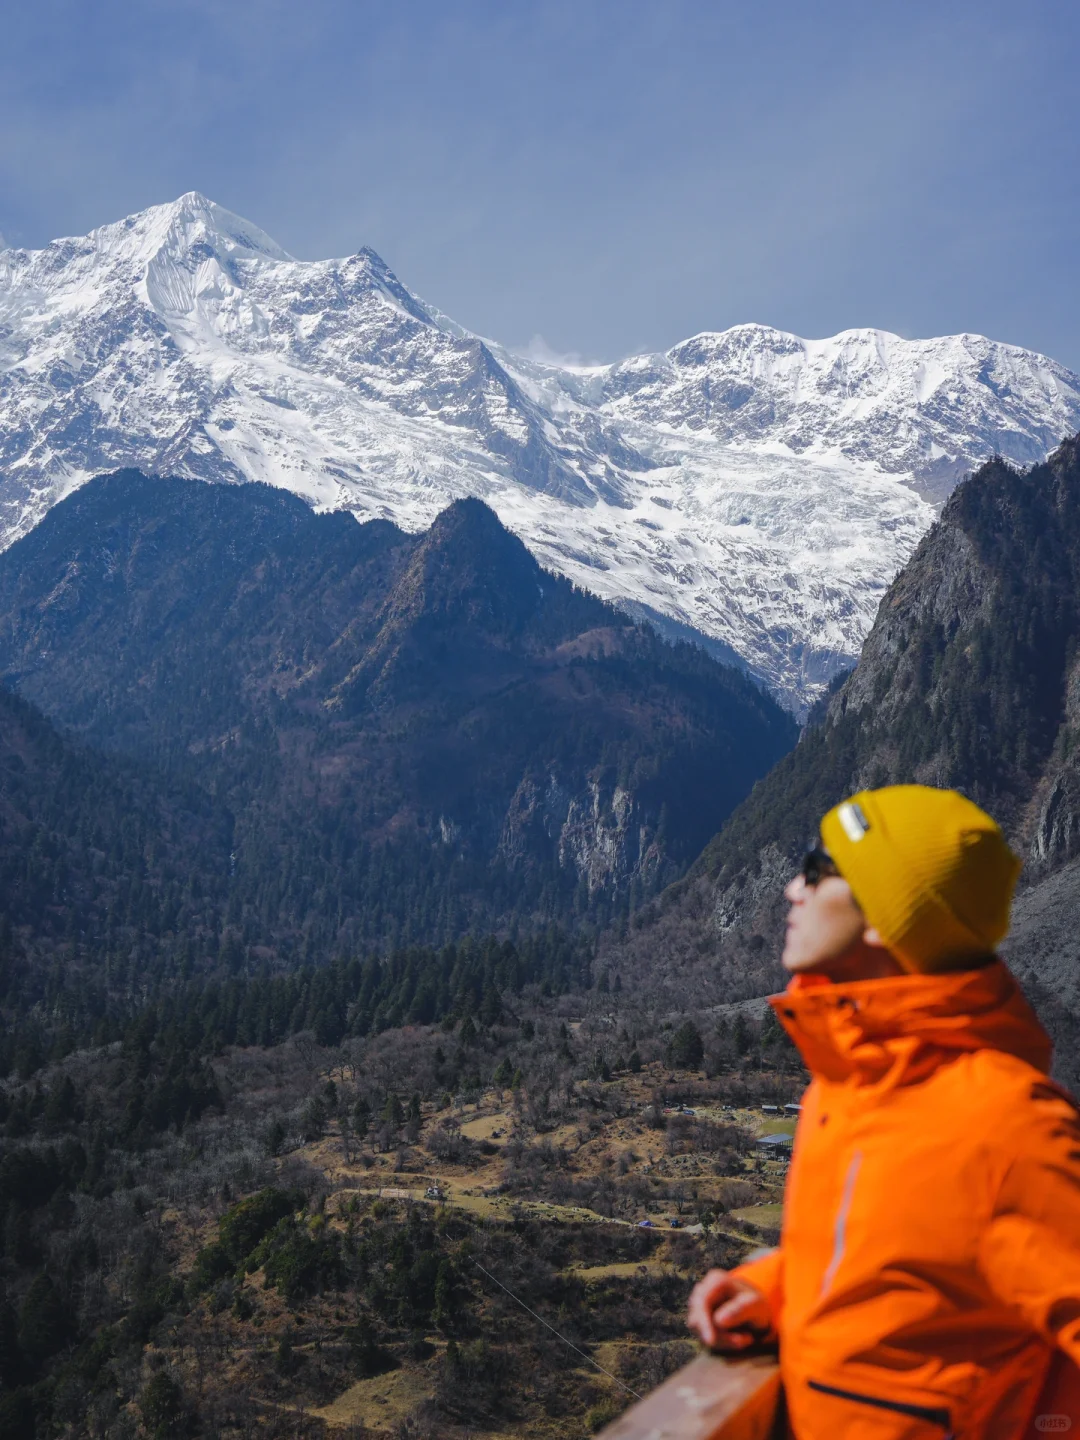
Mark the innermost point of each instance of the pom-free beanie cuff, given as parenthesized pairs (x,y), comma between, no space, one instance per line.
(930,871)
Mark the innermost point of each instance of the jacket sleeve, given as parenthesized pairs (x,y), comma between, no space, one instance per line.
(765,1272)
(1030,1252)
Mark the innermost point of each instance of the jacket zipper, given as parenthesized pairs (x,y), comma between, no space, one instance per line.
(933,1415)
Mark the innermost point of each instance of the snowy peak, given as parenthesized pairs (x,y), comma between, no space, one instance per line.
(183,233)
(929,410)
(750,487)
(383,279)
(192,224)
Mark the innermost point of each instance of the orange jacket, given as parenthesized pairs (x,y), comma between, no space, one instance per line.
(929,1267)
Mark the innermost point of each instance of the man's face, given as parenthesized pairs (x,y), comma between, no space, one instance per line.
(824,924)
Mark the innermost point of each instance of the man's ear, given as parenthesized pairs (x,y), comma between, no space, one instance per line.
(872,936)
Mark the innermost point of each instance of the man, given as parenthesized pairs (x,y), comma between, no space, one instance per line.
(928,1278)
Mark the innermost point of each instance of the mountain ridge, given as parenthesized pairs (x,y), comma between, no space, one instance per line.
(748,486)
(970,678)
(436,705)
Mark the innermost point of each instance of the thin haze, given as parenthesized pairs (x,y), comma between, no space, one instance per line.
(611,177)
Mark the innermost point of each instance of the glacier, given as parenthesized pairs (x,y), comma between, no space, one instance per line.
(750,490)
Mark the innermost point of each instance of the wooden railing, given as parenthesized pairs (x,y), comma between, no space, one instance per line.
(709,1399)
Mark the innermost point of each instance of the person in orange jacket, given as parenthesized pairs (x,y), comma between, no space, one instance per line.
(927,1283)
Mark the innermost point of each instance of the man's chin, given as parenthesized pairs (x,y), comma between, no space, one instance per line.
(794,963)
(797,962)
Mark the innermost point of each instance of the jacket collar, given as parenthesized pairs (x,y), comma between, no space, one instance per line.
(899,1030)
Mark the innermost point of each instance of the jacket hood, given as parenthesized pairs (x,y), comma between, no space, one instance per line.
(900,1029)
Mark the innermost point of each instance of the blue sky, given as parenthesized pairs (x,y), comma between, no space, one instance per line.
(611,177)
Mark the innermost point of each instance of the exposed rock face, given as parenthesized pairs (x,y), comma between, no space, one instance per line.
(605,836)
(437,698)
(749,487)
(1045,940)
(749,899)
(602,834)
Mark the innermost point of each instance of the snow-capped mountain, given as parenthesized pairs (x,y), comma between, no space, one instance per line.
(760,489)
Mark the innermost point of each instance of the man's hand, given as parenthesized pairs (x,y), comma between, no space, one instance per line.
(726,1313)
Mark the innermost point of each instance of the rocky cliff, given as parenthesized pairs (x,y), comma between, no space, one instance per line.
(970,677)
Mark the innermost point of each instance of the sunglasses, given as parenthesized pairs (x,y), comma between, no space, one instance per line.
(817,863)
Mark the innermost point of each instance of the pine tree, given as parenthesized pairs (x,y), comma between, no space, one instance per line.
(11,1358)
(687,1049)
(44,1321)
(162,1406)
(443,1312)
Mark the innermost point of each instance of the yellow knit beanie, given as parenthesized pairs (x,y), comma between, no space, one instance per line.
(930,870)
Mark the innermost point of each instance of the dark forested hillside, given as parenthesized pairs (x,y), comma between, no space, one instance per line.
(110,881)
(116,901)
(971,678)
(405,738)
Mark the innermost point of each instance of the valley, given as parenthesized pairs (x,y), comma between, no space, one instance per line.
(308,1251)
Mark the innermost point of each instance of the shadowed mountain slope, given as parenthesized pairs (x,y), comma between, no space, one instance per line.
(412,735)
(970,677)
(103,868)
